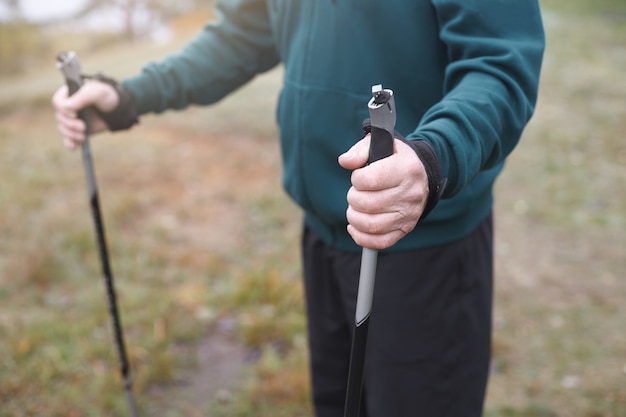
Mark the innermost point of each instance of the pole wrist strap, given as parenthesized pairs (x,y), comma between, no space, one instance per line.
(125,114)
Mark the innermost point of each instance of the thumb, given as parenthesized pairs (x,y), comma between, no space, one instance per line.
(357,156)
(101,95)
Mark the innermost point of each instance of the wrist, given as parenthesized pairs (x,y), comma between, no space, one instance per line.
(436,183)
(429,159)
(124,114)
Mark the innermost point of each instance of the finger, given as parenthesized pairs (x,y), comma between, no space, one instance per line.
(73,138)
(73,129)
(66,104)
(382,241)
(70,120)
(63,108)
(69,143)
(375,224)
(365,201)
(385,200)
(60,96)
(70,123)
(377,176)
(385,173)
(404,219)
(96,93)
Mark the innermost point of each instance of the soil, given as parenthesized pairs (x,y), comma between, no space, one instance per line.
(220,366)
(199,176)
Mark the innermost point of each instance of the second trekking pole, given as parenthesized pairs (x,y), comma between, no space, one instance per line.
(383,119)
(69,65)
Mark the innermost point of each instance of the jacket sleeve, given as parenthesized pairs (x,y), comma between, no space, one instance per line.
(494,50)
(222,57)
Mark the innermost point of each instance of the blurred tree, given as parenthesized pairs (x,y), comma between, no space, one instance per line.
(137,17)
(10,9)
(20,40)
(25,45)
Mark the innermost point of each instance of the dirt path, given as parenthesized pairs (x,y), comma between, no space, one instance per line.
(220,366)
(199,177)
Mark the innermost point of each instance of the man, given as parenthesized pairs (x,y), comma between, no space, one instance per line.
(465,78)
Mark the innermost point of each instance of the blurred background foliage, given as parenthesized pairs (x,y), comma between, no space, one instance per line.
(26,44)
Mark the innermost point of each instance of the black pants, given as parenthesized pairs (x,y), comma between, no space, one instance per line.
(429,342)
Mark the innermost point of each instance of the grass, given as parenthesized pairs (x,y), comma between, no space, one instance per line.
(559,347)
(196,237)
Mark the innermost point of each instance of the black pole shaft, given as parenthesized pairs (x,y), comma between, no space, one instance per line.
(355,374)
(108,274)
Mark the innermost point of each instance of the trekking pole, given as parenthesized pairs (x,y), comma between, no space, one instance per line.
(69,65)
(383,119)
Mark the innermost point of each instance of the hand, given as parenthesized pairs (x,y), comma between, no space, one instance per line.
(92,93)
(387,197)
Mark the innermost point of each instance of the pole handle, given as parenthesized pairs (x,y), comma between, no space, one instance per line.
(383,119)
(69,65)
(382,110)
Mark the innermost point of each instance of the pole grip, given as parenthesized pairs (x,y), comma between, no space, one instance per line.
(69,65)
(382,110)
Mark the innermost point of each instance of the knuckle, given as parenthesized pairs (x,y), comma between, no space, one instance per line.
(350,196)
(374,225)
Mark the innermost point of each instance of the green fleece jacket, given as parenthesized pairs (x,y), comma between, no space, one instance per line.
(464,74)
